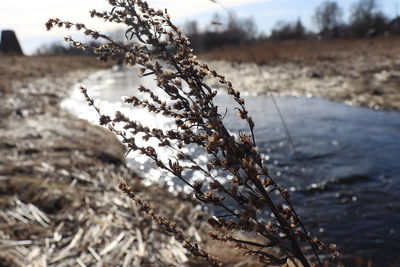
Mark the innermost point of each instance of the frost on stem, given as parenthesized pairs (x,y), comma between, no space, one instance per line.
(159,49)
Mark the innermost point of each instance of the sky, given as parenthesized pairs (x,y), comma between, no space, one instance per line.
(27,17)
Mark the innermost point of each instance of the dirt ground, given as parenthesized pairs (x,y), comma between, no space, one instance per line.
(357,72)
(59,201)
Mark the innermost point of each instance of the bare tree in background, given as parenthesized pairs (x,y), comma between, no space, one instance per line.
(288,30)
(364,10)
(366,19)
(230,30)
(328,17)
(249,27)
(239,30)
(216,23)
(191,29)
(300,30)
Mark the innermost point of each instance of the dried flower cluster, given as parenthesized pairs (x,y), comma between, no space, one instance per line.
(163,51)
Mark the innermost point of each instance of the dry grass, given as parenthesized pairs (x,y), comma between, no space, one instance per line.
(308,52)
(358,72)
(15,68)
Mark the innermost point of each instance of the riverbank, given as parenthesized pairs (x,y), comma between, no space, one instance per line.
(59,202)
(362,72)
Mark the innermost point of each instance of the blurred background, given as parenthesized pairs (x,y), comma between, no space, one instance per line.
(277,19)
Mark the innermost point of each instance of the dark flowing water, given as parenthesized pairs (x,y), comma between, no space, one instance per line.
(344,174)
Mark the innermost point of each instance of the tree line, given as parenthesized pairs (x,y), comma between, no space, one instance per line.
(366,20)
(221,31)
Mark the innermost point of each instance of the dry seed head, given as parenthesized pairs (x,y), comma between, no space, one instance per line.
(198,123)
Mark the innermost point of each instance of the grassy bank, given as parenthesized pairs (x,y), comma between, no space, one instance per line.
(308,52)
(359,72)
(15,69)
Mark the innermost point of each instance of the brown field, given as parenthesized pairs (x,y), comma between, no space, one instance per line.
(13,68)
(363,72)
(309,52)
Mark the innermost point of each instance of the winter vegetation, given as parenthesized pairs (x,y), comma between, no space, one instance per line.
(234,178)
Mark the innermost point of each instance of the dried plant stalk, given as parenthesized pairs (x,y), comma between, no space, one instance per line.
(163,51)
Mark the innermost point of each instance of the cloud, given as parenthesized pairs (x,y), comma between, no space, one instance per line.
(28,19)
(185,8)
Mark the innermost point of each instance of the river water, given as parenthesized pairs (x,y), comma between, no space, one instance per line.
(343,173)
